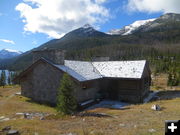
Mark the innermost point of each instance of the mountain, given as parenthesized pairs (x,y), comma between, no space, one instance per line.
(85,31)
(167,21)
(67,41)
(129,29)
(9,53)
(86,42)
(71,41)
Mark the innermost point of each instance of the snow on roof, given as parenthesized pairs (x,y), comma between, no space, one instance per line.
(83,71)
(120,69)
(71,72)
(80,70)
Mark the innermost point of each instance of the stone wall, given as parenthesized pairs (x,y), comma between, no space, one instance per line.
(55,56)
(27,85)
(46,81)
(83,93)
(42,83)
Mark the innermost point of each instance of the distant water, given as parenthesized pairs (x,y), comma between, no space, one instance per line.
(7,74)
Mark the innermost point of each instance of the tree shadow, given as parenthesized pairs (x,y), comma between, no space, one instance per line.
(166,95)
(92,114)
(40,102)
(122,108)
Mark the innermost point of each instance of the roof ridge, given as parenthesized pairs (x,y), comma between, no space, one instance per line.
(96,69)
(106,61)
(120,61)
(78,60)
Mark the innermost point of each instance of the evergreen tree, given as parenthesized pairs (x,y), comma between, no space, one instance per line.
(173,79)
(11,77)
(66,102)
(169,79)
(3,78)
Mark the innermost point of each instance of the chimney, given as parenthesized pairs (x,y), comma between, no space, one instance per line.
(100,58)
(56,56)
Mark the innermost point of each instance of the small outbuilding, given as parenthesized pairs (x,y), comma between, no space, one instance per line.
(117,80)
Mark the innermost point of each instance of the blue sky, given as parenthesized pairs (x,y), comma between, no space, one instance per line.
(26,24)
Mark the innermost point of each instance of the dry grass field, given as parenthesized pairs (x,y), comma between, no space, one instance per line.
(160,81)
(132,120)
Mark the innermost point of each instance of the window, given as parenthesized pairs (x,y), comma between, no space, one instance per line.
(86,85)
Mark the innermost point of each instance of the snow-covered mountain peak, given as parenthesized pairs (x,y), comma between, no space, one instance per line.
(130,28)
(9,53)
(87,26)
(136,25)
(83,32)
(141,22)
(11,50)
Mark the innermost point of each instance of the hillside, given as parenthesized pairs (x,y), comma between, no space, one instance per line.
(163,23)
(78,35)
(131,119)
(149,41)
(166,22)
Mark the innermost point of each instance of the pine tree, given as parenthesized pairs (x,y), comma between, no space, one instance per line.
(12,76)
(3,78)
(66,102)
(173,79)
(169,79)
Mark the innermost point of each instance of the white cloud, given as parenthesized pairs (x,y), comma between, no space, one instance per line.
(100,1)
(57,17)
(34,42)
(7,41)
(152,6)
